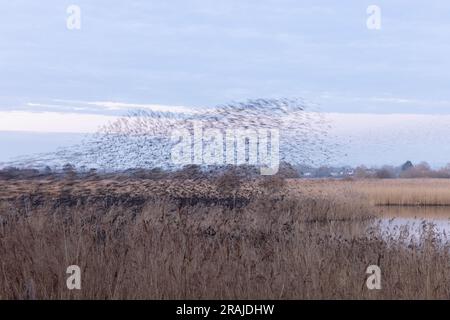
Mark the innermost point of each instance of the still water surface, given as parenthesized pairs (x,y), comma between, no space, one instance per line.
(395,217)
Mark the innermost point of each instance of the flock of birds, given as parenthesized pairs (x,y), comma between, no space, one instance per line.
(142,139)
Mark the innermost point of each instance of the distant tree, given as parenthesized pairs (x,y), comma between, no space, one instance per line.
(9,173)
(407,165)
(287,170)
(92,173)
(69,170)
(323,172)
(386,172)
(361,172)
(47,171)
(157,173)
(444,172)
(16,173)
(191,171)
(422,170)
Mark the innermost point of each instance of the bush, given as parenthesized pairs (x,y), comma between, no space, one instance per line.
(385,172)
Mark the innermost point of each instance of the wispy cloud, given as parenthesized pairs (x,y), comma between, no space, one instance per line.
(76,116)
(111,105)
(52,122)
(112,108)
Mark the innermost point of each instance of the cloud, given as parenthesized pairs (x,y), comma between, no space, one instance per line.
(76,116)
(111,105)
(52,122)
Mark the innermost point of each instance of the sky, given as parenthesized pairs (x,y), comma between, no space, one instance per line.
(193,54)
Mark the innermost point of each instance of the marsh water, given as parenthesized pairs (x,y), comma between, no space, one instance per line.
(395,217)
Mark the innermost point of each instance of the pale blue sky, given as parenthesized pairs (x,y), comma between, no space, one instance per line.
(200,53)
(207,52)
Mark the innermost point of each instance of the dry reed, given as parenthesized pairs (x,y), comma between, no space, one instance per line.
(284,246)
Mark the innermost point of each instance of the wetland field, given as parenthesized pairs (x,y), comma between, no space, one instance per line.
(222,239)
